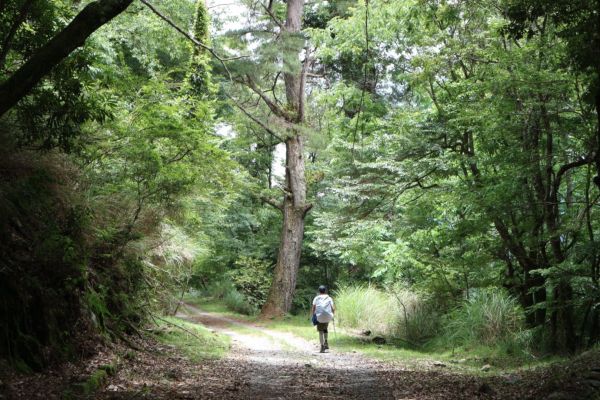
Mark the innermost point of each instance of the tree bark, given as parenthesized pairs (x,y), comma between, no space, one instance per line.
(294,210)
(74,35)
(597,158)
(294,207)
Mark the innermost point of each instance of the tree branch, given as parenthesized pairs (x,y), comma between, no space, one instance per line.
(273,17)
(273,203)
(307,208)
(256,120)
(567,167)
(274,86)
(305,66)
(74,35)
(198,43)
(280,112)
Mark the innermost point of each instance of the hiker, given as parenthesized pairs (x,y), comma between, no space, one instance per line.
(322,312)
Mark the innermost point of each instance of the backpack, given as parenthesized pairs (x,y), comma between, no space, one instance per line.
(324,311)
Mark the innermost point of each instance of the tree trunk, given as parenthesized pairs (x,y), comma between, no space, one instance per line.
(294,206)
(294,210)
(562,324)
(74,35)
(594,335)
(597,158)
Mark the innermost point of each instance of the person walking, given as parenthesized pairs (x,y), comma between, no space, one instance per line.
(322,311)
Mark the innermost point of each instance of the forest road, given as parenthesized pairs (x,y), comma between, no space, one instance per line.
(266,364)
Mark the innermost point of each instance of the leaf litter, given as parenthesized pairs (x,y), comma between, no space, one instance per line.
(265,364)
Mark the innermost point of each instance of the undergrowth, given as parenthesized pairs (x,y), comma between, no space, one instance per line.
(227,293)
(470,358)
(395,312)
(195,341)
(489,322)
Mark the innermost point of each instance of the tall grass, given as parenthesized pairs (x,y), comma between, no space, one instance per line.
(366,308)
(394,312)
(233,299)
(489,318)
(419,316)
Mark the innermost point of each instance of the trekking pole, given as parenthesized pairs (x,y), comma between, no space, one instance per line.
(334,332)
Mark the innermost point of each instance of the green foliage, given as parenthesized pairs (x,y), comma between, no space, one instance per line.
(575,21)
(447,152)
(236,230)
(218,289)
(96,304)
(237,302)
(252,279)
(200,69)
(459,171)
(42,220)
(225,291)
(52,114)
(96,239)
(201,24)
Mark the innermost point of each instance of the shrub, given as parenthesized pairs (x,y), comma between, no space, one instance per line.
(233,299)
(43,248)
(252,279)
(218,290)
(237,302)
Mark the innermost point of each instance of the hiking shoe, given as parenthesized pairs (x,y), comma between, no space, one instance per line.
(322,349)
(326,346)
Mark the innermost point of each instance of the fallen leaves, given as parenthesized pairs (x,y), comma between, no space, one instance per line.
(160,371)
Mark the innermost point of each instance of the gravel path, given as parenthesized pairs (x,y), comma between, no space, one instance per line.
(266,364)
(276,365)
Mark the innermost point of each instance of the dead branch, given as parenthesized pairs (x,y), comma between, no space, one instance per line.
(176,326)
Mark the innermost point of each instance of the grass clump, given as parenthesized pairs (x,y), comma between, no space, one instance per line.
(489,318)
(195,341)
(88,387)
(395,312)
(366,308)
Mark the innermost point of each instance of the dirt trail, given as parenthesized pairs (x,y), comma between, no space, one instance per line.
(265,364)
(276,365)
